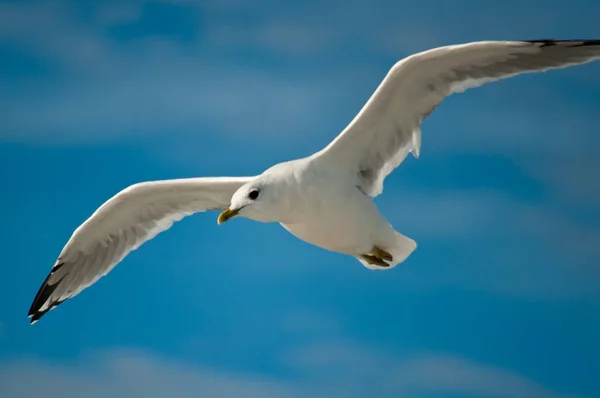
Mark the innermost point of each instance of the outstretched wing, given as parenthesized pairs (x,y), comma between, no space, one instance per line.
(122,224)
(387,128)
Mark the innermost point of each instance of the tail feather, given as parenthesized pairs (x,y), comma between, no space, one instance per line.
(400,251)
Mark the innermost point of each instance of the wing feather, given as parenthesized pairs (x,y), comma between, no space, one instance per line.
(122,224)
(387,128)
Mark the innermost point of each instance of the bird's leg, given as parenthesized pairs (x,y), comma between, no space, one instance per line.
(374,260)
(381,254)
(378,256)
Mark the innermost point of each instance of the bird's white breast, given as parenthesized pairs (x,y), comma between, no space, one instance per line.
(338,218)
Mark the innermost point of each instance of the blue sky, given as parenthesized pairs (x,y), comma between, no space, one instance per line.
(500,299)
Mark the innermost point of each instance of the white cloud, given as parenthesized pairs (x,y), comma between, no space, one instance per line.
(447,373)
(509,118)
(369,372)
(118,13)
(569,176)
(50,31)
(322,371)
(281,37)
(158,103)
(129,373)
(525,249)
(454,215)
(153,85)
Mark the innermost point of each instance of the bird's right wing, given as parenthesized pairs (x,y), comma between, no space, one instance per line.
(122,224)
(388,126)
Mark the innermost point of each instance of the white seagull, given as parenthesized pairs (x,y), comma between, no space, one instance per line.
(324,199)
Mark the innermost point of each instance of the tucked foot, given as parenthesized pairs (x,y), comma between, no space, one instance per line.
(378,257)
(374,260)
(381,254)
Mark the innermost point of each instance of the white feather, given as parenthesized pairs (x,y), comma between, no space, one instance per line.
(387,127)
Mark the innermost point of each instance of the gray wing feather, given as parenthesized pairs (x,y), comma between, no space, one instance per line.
(122,224)
(387,128)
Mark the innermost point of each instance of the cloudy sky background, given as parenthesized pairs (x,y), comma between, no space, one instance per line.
(501,298)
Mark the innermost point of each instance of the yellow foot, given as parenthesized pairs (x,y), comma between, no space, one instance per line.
(382,254)
(374,260)
(378,256)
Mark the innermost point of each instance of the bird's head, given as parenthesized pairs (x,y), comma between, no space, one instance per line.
(256,200)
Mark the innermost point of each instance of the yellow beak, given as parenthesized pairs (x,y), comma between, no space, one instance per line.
(226,215)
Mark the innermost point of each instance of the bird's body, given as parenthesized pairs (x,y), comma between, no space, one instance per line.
(319,202)
(325,199)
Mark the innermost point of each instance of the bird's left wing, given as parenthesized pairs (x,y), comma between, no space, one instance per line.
(122,224)
(387,128)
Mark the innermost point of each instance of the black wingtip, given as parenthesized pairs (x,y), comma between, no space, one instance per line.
(35,314)
(35,317)
(555,42)
(45,291)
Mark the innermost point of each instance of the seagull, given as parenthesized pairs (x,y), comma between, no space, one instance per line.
(325,199)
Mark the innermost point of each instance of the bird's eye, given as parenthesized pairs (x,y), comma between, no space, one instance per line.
(253,194)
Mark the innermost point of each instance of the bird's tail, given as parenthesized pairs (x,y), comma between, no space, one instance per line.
(400,251)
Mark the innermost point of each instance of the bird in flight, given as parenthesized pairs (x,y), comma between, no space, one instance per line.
(325,199)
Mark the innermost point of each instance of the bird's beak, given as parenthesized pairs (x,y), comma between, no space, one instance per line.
(226,215)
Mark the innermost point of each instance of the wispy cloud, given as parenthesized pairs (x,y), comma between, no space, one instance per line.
(156,87)
(321,371)
(365,371)
(111,14)
(128,373)
(102,87)
(528,119)
(460,376)
(153,85)
(569,176)
(495,225)
(241,104)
